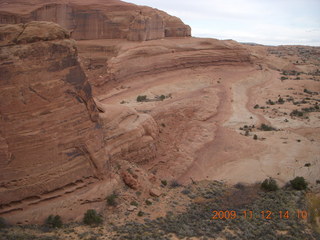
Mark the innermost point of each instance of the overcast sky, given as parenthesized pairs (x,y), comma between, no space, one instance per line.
(270,22)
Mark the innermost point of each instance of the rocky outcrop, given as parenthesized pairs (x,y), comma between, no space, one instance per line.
(144,28)
(128,135)
(98,19)
(50,137)
(154,57)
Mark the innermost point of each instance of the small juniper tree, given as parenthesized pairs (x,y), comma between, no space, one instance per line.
(54,221)
(299,183)
(91,217)
(269,184)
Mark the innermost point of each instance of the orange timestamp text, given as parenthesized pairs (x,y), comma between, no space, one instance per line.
(265,214)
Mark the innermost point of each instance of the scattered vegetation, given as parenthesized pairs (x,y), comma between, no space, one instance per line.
(299,183)
(280,100)
(164,182)
(91,217)
(269,184)
(269,102)
(140,214)
(148,202)
(134,203)
(256,106)
(296,113)
(174,184)
(54,221)
(142,98)
(111,199)
(265,127)
(255,137)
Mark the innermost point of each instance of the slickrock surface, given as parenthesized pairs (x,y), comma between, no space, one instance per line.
(208,118)
(97,19)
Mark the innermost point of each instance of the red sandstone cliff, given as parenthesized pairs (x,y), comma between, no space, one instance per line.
(97,19)
(49,135)
(54,140)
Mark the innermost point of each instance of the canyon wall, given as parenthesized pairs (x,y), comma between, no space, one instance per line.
(98,19)
(154,57)
(55,139)
(50,134)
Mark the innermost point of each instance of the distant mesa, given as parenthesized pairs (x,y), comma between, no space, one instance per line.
(97,19)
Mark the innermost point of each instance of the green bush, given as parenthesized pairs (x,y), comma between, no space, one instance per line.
(255,137)
(296,113)
(54,221)
(140,213)
(164,182)
(148,202)
(141,98)
(269,184)
(265,127)
(111,199)
(91,217)
(134,203)
(162,97)
(299,183)
(281,100)
(270,102)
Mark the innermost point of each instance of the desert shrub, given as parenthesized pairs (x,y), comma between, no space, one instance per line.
(185,191)
(164,182)
(240,186)
(134,203)
(299,183)
(256,106)
(54,221)
(141,98)
(111,199)
(296,113)
(284,78)
(269,184)
(270,102)
(91,217)
(307,165)
(3,223)
(307,91)
(148,202)
(162,97)
(281,100)
(175,184)
(265,127)
(255,137)
(140,213)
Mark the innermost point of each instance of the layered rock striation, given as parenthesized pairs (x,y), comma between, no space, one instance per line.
(97,19)
(55,139)
(50,135)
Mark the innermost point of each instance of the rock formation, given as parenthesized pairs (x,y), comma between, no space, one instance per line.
(54,138)
(50,135)
(97,19)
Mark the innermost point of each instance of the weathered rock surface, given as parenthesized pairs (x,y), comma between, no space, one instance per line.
(128,135)
(128,60)
(97,19)
(49,129)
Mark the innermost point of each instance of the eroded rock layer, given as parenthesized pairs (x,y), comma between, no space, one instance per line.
(97,19)
(50,135)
